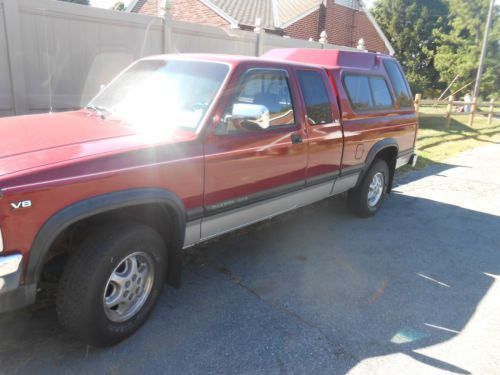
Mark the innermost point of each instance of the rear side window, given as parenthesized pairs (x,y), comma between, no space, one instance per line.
(358,89)
(315,96)
(381,95)
(368,92)
(398,83)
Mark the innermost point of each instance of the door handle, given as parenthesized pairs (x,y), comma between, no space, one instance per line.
(296,138)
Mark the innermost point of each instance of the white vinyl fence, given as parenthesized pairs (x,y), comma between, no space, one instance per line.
(55,55)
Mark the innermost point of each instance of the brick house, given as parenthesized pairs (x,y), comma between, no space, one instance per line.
(345,21)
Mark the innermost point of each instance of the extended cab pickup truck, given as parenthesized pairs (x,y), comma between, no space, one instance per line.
(181,148)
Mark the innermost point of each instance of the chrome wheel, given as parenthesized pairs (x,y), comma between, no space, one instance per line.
(128,287)
(375,189)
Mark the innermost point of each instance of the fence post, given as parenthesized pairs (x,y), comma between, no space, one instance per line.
(472,111)
(13,36)
(491,110)
(417,103)
(449,108)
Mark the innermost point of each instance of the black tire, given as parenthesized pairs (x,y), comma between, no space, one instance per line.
(80,299)
(358,197)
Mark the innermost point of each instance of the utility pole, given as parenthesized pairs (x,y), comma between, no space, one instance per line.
(484,49)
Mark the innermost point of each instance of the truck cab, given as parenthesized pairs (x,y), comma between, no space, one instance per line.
(374,96)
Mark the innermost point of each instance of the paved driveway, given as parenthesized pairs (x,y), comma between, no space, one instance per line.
(414,290)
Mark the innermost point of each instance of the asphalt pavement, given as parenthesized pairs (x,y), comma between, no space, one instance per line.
(414,289)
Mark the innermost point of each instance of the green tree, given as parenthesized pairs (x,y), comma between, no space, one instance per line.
(460,47)
(410,25)
(83,2)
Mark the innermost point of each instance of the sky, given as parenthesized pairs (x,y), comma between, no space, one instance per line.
(106,3)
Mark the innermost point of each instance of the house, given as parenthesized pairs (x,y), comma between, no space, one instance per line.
(345,21)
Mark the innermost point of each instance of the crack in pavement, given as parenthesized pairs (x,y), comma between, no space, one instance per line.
(337,349)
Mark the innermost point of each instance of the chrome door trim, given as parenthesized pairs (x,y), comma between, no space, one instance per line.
(228,221)
(212,226)
(345,183)
(193,233)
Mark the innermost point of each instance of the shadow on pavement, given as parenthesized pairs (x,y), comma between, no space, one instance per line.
(313,291)
(407,174)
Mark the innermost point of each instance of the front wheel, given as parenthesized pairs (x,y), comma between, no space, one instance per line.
(111,283)
(366,199)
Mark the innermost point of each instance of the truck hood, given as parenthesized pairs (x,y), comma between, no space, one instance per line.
(34,141)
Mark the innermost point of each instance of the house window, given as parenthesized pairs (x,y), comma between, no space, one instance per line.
(354,4)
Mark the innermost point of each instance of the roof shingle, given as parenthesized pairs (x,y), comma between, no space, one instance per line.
(272,13)
(247,11)
(291,9)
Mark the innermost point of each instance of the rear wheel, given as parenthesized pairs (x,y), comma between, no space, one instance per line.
(366,199)
(111,283)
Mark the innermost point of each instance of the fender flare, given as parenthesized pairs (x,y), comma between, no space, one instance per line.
(103,203)
(376,148)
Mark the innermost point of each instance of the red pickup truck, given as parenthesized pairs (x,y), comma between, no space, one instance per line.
(179,149)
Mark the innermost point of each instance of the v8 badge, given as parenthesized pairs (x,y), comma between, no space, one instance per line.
(21,204)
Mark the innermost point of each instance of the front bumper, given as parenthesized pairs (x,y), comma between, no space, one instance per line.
(10,272)
(12,294)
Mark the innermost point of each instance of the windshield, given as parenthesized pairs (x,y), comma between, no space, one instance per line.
(162,93)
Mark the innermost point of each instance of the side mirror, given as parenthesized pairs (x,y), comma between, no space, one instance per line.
(253,113)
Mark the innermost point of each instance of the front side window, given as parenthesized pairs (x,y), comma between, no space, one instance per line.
(315,96)
(161,94)
(398,83)
(267,88)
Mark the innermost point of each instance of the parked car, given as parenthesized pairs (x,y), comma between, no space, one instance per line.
(179,149)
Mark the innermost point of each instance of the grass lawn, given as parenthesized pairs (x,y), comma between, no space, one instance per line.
(435,143)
